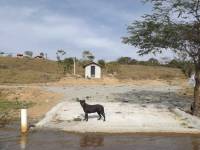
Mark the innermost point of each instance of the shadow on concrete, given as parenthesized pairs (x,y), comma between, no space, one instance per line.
(144,97)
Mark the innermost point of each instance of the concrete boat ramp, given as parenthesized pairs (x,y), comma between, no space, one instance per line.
(129,109)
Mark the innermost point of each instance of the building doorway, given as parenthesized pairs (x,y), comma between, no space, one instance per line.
(92,71)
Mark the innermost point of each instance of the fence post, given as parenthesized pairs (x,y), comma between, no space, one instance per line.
(24,122)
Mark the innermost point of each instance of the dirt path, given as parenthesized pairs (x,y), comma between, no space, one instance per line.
(42,99)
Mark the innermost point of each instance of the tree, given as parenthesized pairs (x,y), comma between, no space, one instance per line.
(28,53)
(91,58)
(10,55)
(59,54)
(165,60)
(2,53)
(174,25)
(67,64)
(88,56)
(186,66)
(102,62)
(46,55)
(133,61)
(41,54)
(153,61)
(174,63)
(124,60)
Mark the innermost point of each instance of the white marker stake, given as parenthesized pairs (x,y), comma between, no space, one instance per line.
(23,141)
(24,123)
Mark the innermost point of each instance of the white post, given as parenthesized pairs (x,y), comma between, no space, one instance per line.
(24,122)
(74,65)
(23,141)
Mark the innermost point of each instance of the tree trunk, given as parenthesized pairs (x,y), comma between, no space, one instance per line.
(196,103)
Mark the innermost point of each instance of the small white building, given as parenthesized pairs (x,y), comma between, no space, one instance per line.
(92,70)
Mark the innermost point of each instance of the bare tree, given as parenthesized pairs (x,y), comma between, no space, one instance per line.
(88,56)
(28,53)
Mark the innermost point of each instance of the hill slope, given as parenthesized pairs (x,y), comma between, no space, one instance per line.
(16,70)
(140,72)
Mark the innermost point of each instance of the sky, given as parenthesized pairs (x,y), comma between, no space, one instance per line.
(71,25)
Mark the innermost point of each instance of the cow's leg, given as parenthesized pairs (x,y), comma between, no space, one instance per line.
(99,115)
(86,116)
(104,117)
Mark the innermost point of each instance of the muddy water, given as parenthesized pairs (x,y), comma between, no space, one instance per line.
(10,139)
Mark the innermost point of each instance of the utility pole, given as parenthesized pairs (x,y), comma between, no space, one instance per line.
(74,65)
(46,55)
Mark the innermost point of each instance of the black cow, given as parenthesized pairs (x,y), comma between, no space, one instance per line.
(99,109)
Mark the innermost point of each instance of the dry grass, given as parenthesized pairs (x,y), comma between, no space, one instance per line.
(140,72)
(80,70)
(15,70)
(39,100)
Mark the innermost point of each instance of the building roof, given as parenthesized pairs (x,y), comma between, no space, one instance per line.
(91,64)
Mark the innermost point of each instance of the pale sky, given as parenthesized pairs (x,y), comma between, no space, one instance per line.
(72,25)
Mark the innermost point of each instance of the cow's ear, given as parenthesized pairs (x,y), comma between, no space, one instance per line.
(84,101)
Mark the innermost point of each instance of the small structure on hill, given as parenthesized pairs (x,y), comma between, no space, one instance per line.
(20,55)
(92,70)
(39,57)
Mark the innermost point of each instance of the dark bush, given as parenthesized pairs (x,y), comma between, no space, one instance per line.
(124,60)
(102,63)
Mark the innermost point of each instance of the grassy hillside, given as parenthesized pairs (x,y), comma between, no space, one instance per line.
(140,72)
(16,70)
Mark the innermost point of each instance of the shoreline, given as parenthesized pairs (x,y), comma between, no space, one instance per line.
(154,133)
(131,108)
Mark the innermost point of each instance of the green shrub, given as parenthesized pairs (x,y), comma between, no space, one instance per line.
(102,63)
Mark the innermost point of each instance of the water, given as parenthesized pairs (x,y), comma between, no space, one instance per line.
(10,139)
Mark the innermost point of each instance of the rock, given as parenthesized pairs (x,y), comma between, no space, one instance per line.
(126,101)
(77,119)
